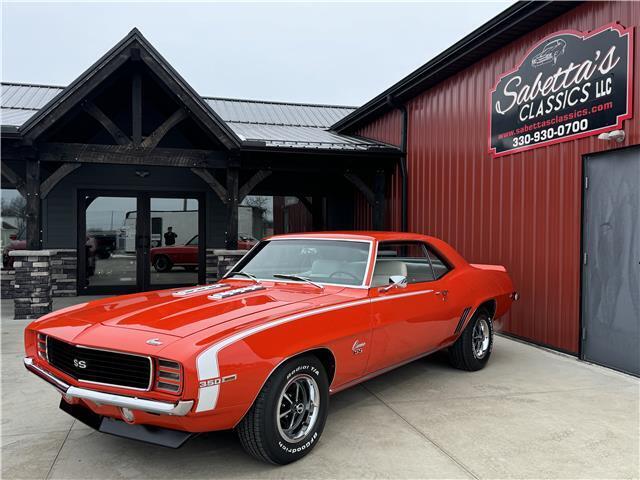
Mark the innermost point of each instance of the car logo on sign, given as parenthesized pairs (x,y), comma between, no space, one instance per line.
(79,363)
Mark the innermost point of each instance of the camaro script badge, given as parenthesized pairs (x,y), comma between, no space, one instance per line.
(154,341)
(358,346)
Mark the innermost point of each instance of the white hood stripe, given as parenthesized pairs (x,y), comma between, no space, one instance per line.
(207,361)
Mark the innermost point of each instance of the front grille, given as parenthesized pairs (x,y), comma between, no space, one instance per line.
(100,366)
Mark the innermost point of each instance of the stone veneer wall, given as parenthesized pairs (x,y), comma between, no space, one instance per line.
(64,272)
(220,261)
(7,282)
(32,293)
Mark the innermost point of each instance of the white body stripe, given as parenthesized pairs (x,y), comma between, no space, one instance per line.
(207,361)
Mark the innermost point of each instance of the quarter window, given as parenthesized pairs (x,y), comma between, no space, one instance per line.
(414,260)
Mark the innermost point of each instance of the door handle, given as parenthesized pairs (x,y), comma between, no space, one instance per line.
(444,294)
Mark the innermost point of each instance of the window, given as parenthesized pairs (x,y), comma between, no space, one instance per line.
(193,241)
(413,260)
(323,261)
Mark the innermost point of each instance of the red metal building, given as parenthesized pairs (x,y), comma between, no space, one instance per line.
(522,209)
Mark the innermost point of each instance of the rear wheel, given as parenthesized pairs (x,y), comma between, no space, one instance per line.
(473,348)
(162,264)
(287,419)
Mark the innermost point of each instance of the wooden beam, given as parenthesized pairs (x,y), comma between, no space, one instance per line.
(53,179)
(252,183)
(193,102)
(48,117)
(231,234)
(115,132)
(33,206)
(159,133)
(215,185)
(136,108)
(123,155)
(378,210)
(15,179)
(362,187)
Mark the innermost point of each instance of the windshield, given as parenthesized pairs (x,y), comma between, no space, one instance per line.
(322,261)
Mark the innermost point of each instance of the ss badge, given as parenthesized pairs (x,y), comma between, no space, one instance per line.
(79,363)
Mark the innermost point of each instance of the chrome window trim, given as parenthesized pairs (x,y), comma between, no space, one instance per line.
(151,369)
(363,285)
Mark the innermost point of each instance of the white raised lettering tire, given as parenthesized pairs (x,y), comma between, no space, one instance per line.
(473,348)
(288,416)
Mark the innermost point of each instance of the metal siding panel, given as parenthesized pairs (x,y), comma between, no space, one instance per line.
(521,210)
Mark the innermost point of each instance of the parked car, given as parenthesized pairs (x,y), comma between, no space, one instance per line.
(164,259)
(14,244)
(550,53)
(299,318)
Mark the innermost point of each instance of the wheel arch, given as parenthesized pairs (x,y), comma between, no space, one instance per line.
(490,305)
(323,354)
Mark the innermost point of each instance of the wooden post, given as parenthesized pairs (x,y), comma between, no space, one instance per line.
(136,108)
(33,206)
(317,213)
(378,210)
(233,185)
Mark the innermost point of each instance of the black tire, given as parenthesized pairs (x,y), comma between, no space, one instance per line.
(463,354)
(259,431)
(162,264)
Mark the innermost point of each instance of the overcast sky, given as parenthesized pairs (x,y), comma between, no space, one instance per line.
(340,53)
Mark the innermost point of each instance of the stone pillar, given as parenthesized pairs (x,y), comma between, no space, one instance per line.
(64,272)
(219,261)
(32,292)
(8,281)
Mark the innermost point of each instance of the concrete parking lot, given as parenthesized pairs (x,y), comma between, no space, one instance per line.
(531,413)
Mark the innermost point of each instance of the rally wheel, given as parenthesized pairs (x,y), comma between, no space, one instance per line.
(286,420)
(473,348)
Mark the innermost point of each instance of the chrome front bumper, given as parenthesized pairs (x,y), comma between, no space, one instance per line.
(178,409)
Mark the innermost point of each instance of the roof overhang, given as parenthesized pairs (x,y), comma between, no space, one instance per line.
(514,22)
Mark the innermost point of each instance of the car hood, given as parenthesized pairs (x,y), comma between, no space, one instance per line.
(164,313)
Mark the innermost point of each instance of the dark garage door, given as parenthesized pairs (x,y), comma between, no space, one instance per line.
(611,270)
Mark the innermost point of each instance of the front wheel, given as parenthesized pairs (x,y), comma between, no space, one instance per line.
(473,348)
(287,419)
(162,264)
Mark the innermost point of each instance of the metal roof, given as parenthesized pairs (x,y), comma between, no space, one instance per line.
(275,124)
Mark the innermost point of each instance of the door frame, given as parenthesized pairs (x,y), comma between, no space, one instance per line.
(142,241)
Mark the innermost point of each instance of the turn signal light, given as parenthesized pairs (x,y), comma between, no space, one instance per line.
(168,376)
(42,346)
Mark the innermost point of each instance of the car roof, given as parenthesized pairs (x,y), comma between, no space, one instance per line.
(354,235)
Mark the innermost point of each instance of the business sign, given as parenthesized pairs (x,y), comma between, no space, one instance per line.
(570,85)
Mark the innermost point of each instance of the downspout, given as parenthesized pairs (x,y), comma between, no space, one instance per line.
(404,182)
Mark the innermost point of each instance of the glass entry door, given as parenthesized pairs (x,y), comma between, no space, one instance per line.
(175,247)
(136,242)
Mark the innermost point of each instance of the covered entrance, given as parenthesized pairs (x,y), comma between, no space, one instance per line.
(109,163)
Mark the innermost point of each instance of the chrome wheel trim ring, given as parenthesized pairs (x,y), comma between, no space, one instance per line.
(481,338)
(298,408)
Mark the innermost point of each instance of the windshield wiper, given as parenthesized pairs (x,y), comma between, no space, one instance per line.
(299,278)
(250,276)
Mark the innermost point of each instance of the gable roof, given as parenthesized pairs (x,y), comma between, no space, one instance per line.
(276,124)
(519,19)
(132,45)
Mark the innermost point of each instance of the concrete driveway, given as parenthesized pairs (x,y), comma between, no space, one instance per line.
(530,414)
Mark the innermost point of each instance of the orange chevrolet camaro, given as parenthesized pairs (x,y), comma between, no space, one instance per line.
(299,318)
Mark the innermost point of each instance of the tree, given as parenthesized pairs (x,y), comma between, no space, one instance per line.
(15,208)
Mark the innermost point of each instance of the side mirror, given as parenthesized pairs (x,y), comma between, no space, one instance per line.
(395,281)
